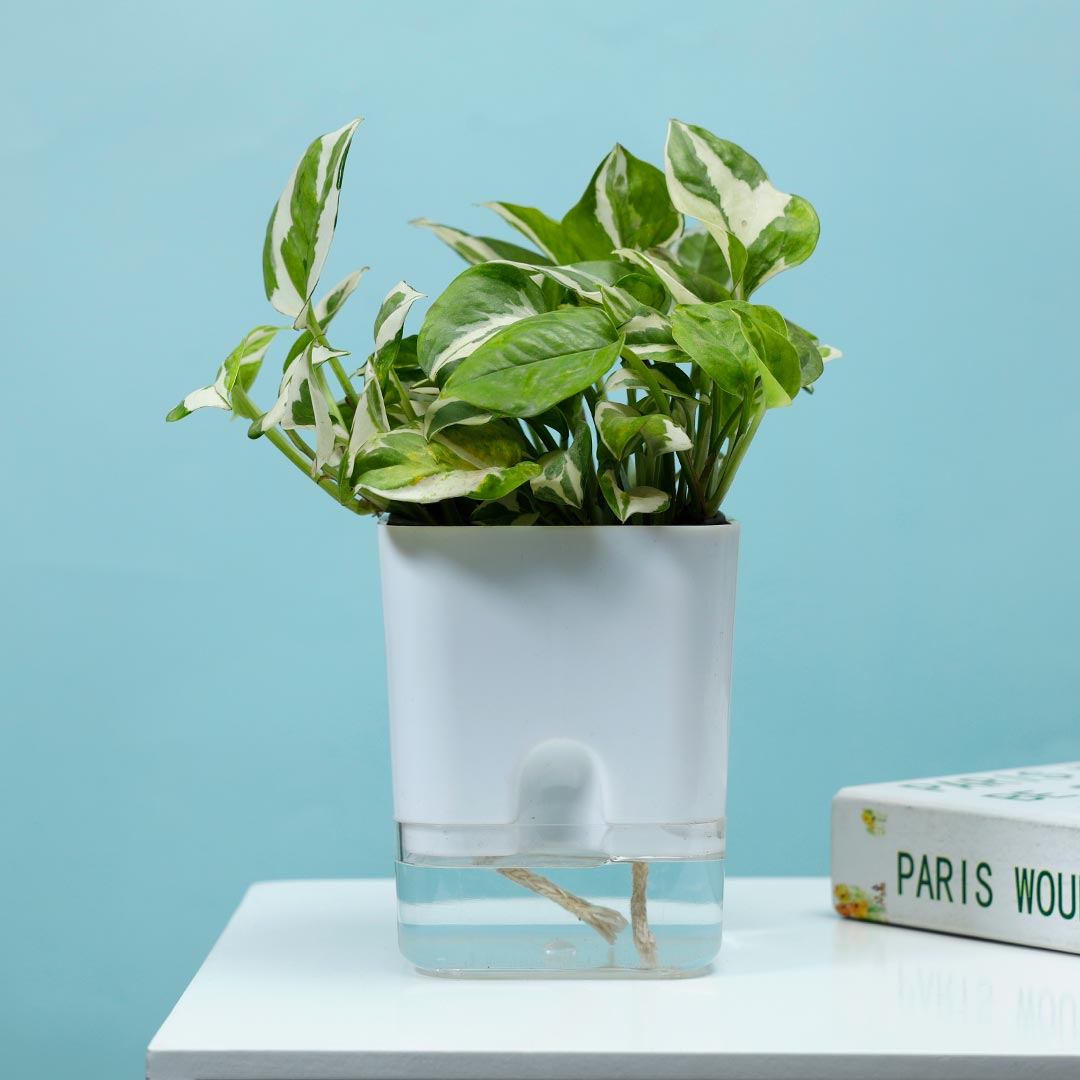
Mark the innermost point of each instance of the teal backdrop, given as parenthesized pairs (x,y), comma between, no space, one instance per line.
(173,725)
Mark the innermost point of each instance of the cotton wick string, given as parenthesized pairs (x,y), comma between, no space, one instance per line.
(644,939)
(607,922)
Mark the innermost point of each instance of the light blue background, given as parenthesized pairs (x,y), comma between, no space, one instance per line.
(173,728)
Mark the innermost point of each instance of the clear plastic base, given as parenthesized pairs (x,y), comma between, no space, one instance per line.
(523,921)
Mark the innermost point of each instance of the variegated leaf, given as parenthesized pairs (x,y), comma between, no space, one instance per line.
(646,330)
(480,249)
(638,500)
(673,381)
(538,362)
(302,225)
(729,192)
(475,306)
(390,323)
(586,280)
(240,366)
(626,205)
(829,352)
(402,466)
(304,401)
(548,235)
(686,286)
(369,417)
(325,311)
(331,303)
(446,411)
(562,479)
(620,426)
(483,445)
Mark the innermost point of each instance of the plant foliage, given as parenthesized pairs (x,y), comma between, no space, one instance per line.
(612,368)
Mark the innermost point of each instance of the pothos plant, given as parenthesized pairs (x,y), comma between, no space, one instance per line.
(616,371)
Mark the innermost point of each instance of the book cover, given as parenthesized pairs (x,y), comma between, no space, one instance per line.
(992,855)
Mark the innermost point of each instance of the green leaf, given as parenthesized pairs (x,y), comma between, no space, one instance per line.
(638,500)
(240,366)
(480,249)
(626,205)
(562,479)
(698,251)
(729,192)
(685,286)
(511,509)
(527,368)
(621,426)
(811,364)
(713,336)
(549,236)
(766,331)
(302,225)
(402,466)
(475,306)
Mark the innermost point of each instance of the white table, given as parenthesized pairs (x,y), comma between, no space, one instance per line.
(306,982)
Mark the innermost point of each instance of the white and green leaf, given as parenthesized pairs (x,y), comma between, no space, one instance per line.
(626,205)
(370,419)
(240,366)
(620,428)
(304,401)
(475,306)
(673,381)
(448,411)
(484,445)
(302,225)
(390,324)
(638,500)
(480,249)
(403,466)
(729,192)
(563,472)
(548,235)
(685,286)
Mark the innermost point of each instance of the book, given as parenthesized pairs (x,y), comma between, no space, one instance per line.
(990,855)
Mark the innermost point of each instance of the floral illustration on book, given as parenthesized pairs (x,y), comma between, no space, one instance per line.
(855,903)
(874,822)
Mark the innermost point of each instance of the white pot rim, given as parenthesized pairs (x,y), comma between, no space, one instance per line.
(386,523)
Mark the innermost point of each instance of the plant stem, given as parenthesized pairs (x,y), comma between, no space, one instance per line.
(246,408)
(649,379)
(735,455)
(544,435)
(351,395)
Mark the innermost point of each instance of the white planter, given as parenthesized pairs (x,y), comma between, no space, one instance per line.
(559,701)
